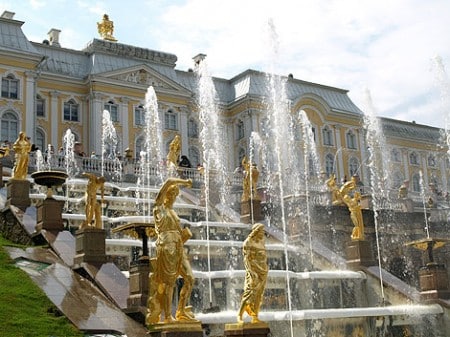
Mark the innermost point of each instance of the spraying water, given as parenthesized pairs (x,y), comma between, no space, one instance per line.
(213,146)
(110,160)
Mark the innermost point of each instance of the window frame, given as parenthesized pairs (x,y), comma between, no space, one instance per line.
(9,93)
(74,111)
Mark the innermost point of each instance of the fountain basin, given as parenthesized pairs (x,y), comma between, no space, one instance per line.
(49,178)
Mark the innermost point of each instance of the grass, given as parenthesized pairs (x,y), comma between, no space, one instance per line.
(25,310)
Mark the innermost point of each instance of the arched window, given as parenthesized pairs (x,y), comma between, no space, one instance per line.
(241,155)
(194,156)
(40,106)
(139,115)
(192,128)
(353,166)
(9,127)
(414,158)
(329,164)
(171,120)
(397,179)
(113,111)
(431,160)
(71,111)
(327,135)
(396,155)
(10,87)
(240,130)
(40,140)
(351,140)
(416,183)
(139,146)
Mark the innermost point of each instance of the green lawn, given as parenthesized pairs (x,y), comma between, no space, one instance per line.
(25,311)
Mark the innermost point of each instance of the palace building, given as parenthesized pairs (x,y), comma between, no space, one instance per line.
(48,89)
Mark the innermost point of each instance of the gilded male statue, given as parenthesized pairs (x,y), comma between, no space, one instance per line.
(93,208)
(256,270)
(174,152)
(171,259)
(250,180)
(22,148)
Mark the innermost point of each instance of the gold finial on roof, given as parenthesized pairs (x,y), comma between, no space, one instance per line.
(106,29)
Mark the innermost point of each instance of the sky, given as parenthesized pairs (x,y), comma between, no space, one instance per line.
(398,51)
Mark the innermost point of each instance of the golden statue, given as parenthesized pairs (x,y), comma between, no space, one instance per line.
(22,148)
(106,28)
(4,151)
(403,190)
(174,152)
(171,259)
(250,180)
(335,193)
(256,270)
(343,195)
(93,208)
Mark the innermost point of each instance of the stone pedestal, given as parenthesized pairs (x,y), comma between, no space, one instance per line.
(247,330)
(251,209)
(407,205)
(359,253)
(433,280)
(90,246)
(18,193)
(139,274)
(49,215)
(176,329)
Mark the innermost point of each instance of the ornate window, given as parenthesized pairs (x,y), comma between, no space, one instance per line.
(351,139)
(40,106)
(113,111)
(139,115)
(171,120)
(10,87)
(241,155)
(414,158)
(240,129)
(329,164)
(327,134)
(192,128)
(9,127)
(139,147)
(71,112)
(353,166)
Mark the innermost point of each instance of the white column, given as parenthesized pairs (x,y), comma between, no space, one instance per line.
(54,118)
(424,161)
(95,119)
(340,164)
(443,174)
(364,171)
(184,132)
(405,164)
(30,116)
(124,119)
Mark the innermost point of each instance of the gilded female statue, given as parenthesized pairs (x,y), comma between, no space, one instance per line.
(22,148)
(250,180)
(171,259)
(93,208)
(256,270)
(174,152)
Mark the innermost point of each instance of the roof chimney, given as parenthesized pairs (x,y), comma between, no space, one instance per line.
(53,37)
(199,58)
(8,15)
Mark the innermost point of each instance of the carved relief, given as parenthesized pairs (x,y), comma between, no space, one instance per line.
(142,77)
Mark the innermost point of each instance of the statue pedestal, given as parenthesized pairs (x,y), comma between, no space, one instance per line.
(139,287)
(407,205)
(90,246)
(251,209)
(49,215)
(18,193)
(359,253)
(176,329)
(247,329)
(433,280)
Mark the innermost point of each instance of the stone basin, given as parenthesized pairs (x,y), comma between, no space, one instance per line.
(49,178)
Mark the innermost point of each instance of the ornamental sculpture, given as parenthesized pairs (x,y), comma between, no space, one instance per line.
(106,29)
(171,259)
(22,148)
(256,270)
